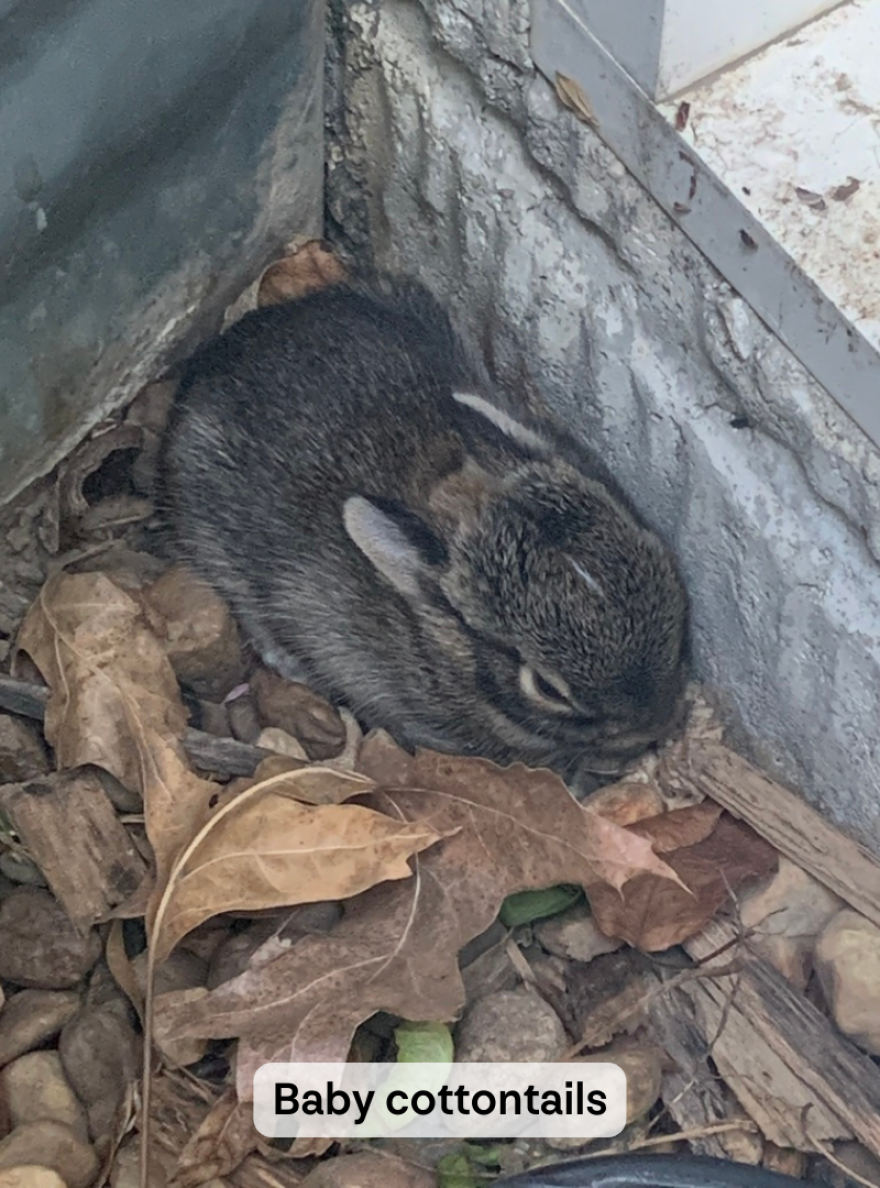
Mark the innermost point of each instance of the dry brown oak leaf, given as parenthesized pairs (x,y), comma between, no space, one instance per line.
(712,853)
(115,702)
(396,947)
(266,849)
(310,267)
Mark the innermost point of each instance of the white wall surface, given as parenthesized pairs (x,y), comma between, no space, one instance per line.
(699,37)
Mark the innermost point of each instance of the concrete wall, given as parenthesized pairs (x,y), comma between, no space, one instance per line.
(450,158)
(152,157)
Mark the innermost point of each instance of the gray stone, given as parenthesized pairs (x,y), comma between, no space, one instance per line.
(31,1017)
(510,1025)
(39,946)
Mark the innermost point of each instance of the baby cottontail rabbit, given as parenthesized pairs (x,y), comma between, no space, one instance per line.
(385,530)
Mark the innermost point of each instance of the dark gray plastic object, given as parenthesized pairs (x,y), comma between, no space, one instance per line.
(152,157)
(650,1171)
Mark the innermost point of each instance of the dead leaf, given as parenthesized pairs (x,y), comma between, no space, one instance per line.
(626,802)
(114,702)
(396,948)
(572,96)
(119,964)
(653,914)
(310,267)
(86,461)
(226,1135)
(680,828)
(841,193)
(267,850)
(682,115)
(810,198)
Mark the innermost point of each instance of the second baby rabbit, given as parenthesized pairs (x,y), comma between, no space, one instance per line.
(386,530)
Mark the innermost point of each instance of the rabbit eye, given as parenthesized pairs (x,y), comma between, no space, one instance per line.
(543,690)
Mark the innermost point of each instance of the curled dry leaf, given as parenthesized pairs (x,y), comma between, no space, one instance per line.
(226,1135)
(396,948)
(310,267)
(85,461)
(267,850)
(572,96)
(810,198)
(842,193)
(114,702)
(654,914)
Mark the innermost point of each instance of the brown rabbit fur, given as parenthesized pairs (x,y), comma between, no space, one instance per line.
(386,530)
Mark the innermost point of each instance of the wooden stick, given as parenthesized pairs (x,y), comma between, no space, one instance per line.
(791,1070)
(789,824)
(226,755)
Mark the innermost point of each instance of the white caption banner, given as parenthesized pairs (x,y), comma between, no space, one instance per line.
(440,1100)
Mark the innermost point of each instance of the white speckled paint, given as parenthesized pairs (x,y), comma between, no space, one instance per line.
(700,38)
(791,128)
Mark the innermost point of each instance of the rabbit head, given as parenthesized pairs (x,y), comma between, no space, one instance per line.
(563,619)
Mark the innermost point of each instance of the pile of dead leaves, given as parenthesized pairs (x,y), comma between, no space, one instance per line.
(233,867)
(406,861)
(422,850)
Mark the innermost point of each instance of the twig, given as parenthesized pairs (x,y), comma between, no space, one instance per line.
(686,975)
(822,1150)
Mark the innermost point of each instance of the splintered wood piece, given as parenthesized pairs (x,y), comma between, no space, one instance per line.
(73,834)
(789,824)
(794,1074)
(694,1095)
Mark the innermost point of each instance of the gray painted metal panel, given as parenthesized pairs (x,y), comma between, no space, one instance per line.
(152,158)
(631,30)
(811,325)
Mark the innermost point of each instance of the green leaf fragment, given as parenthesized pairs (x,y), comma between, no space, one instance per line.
(524,907)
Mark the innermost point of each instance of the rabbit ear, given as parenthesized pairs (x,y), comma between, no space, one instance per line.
(397,543)
(511,429)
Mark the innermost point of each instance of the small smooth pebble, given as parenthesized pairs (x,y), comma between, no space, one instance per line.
(35,1087)
(848,964)
(53,1145)
(32,1017)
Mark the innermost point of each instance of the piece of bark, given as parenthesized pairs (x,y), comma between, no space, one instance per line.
(207,753)
(794,1074)
(71,831)
(22,751)
(693,1093)
(789,824)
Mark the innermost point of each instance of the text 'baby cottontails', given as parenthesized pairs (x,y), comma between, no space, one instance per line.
(385,531)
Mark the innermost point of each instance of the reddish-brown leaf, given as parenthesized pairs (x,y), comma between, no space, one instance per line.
(653,914)
(115,702)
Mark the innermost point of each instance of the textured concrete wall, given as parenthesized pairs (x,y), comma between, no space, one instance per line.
(450,158)
(152,157)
